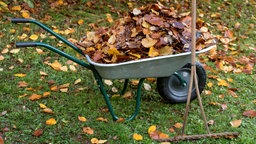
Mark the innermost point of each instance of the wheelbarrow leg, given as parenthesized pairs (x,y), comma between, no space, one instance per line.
(107,98)
(125,86)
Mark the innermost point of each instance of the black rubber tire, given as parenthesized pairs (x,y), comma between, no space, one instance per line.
(171,88)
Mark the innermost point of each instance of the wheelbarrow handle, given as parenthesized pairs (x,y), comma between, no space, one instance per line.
(20,20)
(26,44)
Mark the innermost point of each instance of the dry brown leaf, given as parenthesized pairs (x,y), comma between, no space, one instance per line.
(1,57)
(56,65)
(15,51)
(46,94)
(38,132)
(236,123)
(250,113)
(77,81)
(22,84)
(102,119)
(148,42)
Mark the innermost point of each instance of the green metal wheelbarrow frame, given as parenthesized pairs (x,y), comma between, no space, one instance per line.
(97,76)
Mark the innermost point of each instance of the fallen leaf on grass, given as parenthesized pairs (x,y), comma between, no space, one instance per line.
(22,84)
(1,57)
(1,140)
(137,137)
(82,119)
(14,51)
(236,123)
(250,113)
(46,94)
(3,113)
(43,73)
(102,119)
(20,75)
(38,132)
(48,110)
(34,97)
(151,129)
(56,65)
(51,121)
(43,106)
(178,125)
(77,81)
(88,130)
(33,37)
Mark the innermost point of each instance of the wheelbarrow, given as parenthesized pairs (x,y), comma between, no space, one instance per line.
(172,71)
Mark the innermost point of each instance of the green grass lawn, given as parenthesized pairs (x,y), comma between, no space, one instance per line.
(21,117)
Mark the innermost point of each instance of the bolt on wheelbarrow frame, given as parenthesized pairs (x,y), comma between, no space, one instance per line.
(162,66)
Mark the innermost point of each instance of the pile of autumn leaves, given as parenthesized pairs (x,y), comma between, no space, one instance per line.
(149,31)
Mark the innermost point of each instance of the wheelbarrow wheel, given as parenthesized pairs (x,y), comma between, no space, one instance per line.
(174,89)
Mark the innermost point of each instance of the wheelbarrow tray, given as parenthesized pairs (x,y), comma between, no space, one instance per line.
(161,66)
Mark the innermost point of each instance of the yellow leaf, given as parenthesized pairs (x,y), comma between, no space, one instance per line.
(64,90)
(112,39)
(51,121)
(56,65)
(20,75)
(35,97)
(80,22)
(64,68)
(151,129)
(210,84)
(23,36)
(82,119)
(72,68)
(43,73)
(135,55)
(33,37)
(88,130)
(21,96)
(137,137)
(42,106)
(3,4)
(113,51)
(153,52)
(236,123)
(222,82)
(109,18)
(94,141)
(178,125)
(25,14)
(16,8)
(14,51)
(77,81)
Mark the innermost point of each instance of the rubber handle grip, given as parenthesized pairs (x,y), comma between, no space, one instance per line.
(20,20)
(26,44)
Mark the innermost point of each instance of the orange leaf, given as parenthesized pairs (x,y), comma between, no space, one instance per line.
(178,125)
(82,119)
(88,130)
(35,97)
(102,119)
(16,8)
(56,65)
(222,82)
(94,141)
(51,121)
(46,94)
(54,88)
(163,135)
(236,123)
(137,137)
(48,110)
